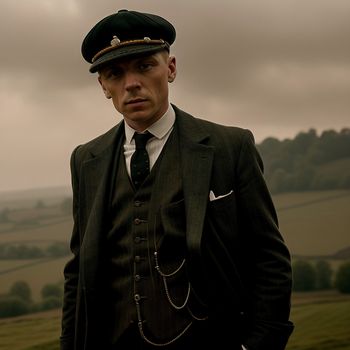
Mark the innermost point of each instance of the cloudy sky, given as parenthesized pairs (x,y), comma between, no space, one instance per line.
(277,67)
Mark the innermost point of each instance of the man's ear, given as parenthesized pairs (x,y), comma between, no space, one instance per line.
(105,91)
(171,69)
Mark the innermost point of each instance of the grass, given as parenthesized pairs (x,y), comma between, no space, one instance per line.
(318,297)
(33,332)
(321,326)
(6,265)
(36,272)
(322,322)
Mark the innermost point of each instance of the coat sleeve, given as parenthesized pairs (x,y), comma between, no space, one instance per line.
(71,270)
(269,278)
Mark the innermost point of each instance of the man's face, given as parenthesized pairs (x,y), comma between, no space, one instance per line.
(139,87)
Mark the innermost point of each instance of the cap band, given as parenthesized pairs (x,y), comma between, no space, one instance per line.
(116,43)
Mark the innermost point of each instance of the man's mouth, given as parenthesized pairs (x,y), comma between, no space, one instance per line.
(135,101)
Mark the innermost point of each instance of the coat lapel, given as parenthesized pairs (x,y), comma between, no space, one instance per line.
(196,161)
(96,178)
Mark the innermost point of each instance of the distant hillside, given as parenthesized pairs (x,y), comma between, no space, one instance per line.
(307,162)
(343,254)
(27,198)
(312,223)
(315,223)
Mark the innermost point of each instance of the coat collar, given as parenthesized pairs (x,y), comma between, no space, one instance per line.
(196,161)
(105,143)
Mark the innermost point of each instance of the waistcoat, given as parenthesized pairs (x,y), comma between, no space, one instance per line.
(146,252)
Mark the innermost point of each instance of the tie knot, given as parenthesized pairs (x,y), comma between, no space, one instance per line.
(141,139)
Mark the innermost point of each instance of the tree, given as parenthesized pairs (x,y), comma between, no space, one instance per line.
(295,164)
(21,290)
(303,141)
(280,181)
(304,276)
(342,278)
(323,275)
(51,303)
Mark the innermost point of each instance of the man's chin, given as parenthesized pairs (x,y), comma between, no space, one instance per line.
(138,115)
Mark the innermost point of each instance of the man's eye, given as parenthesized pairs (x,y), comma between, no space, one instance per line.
(144,66)
(113,73)
(116,73)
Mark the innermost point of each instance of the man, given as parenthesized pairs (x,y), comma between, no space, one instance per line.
(175,237)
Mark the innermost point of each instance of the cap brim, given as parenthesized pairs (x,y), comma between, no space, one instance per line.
(126,51)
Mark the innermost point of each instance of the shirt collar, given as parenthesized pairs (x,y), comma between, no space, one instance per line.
(159,129)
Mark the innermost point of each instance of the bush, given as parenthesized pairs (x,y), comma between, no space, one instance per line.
(323,275)
(51,290)
(13,306)
(50,303)
(57,249)
(304,276)
(342,278)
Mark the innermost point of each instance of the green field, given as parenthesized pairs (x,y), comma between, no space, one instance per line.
(37,275)
(314,223)
(50,231)
(321,326)
(33,332)
(322,322)
(36,272)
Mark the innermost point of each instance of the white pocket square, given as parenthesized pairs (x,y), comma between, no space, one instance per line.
(212,196)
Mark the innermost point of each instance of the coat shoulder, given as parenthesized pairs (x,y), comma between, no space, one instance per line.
(99,144)
(217,132)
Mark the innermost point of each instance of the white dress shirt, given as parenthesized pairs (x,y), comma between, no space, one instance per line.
(161,130)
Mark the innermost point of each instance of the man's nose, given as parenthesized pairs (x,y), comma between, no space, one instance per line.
(132,81)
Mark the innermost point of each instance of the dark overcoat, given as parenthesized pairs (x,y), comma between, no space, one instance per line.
(235,237)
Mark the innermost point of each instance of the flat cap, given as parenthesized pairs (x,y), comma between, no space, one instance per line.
(126,33)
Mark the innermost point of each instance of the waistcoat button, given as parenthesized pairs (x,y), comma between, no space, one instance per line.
(137,239)
(137,203)
(137,258)
(137,221)
(137,278)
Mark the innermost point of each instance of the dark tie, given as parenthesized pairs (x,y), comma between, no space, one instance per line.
(139,166)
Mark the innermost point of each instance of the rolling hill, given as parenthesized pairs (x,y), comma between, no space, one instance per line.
(312,223)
